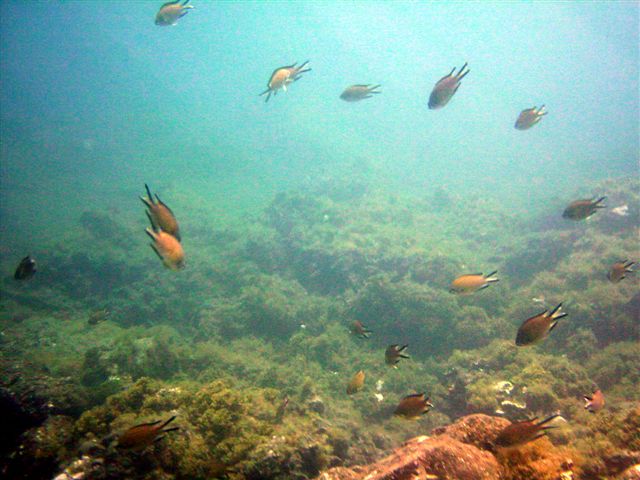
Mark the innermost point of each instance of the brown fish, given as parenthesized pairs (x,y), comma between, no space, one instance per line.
(282,77)
(529,117)
(356,383)
(161,214)
(519,433)
(412,406)
(171,12)
(536,328)
(355,93)
(468,284)
(446,87)
(141,436)
(619,270)
(583,208)
(595,402)
(357,328)
(394,353)
(166,246)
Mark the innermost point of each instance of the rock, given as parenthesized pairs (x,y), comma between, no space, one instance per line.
(442,457)
(479,430)
(619,461)
(632,473)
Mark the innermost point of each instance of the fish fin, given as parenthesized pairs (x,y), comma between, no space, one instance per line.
(403,347)
(373,88)
(155,249)
(402,355)
(461,69)
(463,75)
(416,395)
(553,325)
(163,204)
(184,13)
(154,227)
(147,203)
(552,312)
(172,429)
(456,89)
(548,419)
(587,399)
(185,2)
(148,192)
(168,421)
(450,73)
(484,286)
(158,438)
(284,87)
(151,233)
(304,64)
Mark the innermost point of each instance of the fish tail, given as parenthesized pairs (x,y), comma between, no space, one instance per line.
(489,279)
(148,193)
(548,419)
(556,313)
(167,423)
(301,67)
(597,202)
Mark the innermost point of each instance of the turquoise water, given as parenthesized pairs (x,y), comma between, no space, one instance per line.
(97,100)
(305,213)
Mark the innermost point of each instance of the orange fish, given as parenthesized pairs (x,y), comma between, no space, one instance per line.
(468,284)
(536,328)
(394,353)
(519,433)
(357,328)
(161,214)
(595,402)
(446,87)
(356,383)
(529,117)
(141,436)
(412,406)
(171,12)
(583,208)
(619,271)
(355,93)
(282,77)
(166,246)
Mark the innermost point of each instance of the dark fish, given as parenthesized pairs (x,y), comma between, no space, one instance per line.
(357,328)
(356,383)
(583,208)
(619,270)
(171,12)
(26,269)
(412,406)
(446,87)
(519,433)
(161,215)
(141,436)
(595,402)
(467,284)
(394,353)
(536,328)
(282,77)
(529,117)
(355,93)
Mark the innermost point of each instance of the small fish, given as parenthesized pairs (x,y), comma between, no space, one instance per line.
(412,406)
(355,93)
(161,214)
(356,383)
(282,408)
(446,87)
(282,77)
(468,284)
(141,436)
(394,353)
(537,328)
(26,269)
(171,12)
(583,208)
(519,433)
(595,402)
(619,271)
(529,117)
(166,246)
(357,328)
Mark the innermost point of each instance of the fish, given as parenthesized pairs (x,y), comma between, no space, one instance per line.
(412,406)
(161,214)
(537,328)
(26,269)
(619,271)
(529,117)
(446,87)
(583,208)
(166,246)
(171,12)
(394,353)
(283,77)
(357,328)
(140,436)
(356,383)
(595,402)
(355,93)
(520,433)
(470,283)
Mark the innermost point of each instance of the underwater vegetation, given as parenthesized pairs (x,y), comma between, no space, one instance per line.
(255,361)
